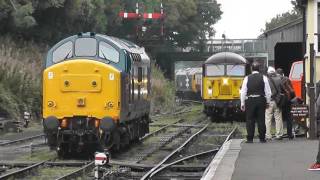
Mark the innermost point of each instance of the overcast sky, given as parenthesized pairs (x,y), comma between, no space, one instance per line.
(246,18)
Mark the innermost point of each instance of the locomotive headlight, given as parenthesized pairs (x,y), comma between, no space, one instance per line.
(64,123)
(225,81)
(210,91)
(96,123)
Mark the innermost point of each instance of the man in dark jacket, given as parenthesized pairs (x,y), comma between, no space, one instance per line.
(289,92)
(274,110)
(255,96)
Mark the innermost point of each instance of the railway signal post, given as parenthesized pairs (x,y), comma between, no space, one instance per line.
(101,160)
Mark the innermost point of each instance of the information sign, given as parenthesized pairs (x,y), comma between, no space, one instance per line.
(300,111)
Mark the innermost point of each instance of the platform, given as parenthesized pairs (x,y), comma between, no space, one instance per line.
(275,160)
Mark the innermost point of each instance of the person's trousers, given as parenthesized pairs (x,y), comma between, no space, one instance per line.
(287,116)
(271,111)
(255,112)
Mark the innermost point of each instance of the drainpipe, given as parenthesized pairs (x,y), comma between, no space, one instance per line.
(311,92)
(304,36)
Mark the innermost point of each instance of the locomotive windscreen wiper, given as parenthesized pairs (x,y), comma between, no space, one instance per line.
(67,56)
(105,58)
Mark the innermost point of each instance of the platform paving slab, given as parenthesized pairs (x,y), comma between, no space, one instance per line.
(277,160)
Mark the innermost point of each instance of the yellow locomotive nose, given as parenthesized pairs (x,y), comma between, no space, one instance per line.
(78,89)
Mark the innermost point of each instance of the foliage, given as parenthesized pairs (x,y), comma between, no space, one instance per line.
(20,67)
(50,20)
(284,18)
(163,92)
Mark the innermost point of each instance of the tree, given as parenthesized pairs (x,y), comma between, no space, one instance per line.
(284,18)
(185,21)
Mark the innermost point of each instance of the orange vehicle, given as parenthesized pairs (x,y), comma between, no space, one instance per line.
(296,76)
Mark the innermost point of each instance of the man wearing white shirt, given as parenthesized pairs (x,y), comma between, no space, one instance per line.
(255,97)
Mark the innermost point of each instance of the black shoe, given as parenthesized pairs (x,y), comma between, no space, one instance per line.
(249,141)
(263,141)
(290,137)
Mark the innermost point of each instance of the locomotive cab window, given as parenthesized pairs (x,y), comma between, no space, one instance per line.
(86,47)
(297,71)
(107,52)
(63,52)
(214,70)
(236,70)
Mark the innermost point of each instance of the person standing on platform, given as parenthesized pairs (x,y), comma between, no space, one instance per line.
(289,92)
(273,110)
(316,166)
(255,97)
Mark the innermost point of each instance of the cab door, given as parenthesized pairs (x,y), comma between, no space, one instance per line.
(296,76)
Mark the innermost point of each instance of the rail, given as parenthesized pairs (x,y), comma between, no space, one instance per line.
(161,166)
(160,130)
(77,173)
(149,173)
(22,140)
(20,172)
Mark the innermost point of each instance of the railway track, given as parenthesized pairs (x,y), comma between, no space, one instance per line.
(40,136)
(79,172)
(195,173)
(178,127)
(22,172)
(28,170)
(157,168)
(181,163)
(154,142)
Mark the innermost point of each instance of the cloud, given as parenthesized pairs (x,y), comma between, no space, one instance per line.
(245,18)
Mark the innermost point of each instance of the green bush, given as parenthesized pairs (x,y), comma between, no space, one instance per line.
(162,91)
(20,72)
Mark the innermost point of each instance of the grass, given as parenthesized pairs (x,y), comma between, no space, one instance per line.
(20,69)
(39,155)
(162,93)
(53,172)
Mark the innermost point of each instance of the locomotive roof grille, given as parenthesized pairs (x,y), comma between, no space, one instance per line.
(226,58)
(136,57)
